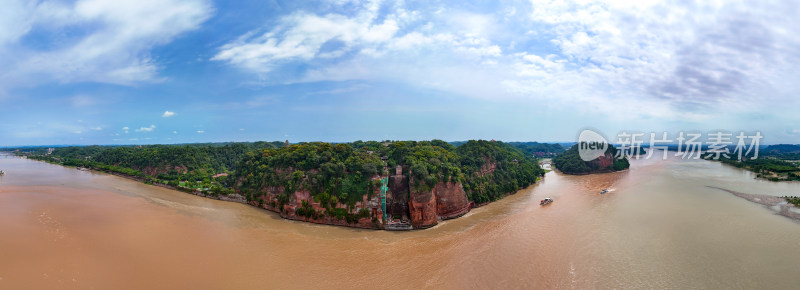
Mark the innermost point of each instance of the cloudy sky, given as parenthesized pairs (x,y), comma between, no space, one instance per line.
(176,71)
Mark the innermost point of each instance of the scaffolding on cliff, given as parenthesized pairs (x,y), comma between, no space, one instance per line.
(384,188)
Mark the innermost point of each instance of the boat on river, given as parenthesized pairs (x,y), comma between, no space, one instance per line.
(604,191)
(546,201)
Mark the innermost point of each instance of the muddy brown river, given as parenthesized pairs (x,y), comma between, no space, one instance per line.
(660,226)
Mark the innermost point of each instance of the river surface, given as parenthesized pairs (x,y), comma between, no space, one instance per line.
(660,226)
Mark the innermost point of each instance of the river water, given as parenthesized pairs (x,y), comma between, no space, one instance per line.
(660,226)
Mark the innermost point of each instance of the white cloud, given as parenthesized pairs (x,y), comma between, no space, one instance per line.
(111,42)
(146,129)
(168,114)
(673,56)
(200,132)
(303,36)
(125,128)
(427,48)
(174,132)
(689,54)
(97,128)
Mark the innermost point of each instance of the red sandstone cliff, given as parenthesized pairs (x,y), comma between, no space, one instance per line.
(269,201)
(444,201)
(451,200)
(422,209)
(602,163)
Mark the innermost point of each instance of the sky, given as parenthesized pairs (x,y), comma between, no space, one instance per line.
(181,71)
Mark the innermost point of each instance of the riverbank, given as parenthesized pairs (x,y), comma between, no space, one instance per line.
(777,204)
(288,214)
(590,173)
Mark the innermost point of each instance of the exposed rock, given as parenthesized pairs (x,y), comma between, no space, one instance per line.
(397,197)
(445,201)
(451,200)
(488,167)
(422,209)
(603,163)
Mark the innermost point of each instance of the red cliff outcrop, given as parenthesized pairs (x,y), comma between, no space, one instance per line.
(269,201)
(451,200)
(603,163)
(445,201)
(422,209)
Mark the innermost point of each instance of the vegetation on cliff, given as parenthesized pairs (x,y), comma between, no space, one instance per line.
(570,162)
(495,169)
(316,180)
(347,172)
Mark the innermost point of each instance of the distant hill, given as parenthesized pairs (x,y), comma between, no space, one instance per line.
(534,149)
(782,148)
(537,149)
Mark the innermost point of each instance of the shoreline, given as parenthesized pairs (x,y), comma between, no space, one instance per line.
(758,174)
(590,173)
(779,205)
(238,198)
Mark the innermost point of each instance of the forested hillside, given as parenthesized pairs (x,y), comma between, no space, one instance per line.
(347,172)
(541,149)
(332,172)
(570,162)
(188,165)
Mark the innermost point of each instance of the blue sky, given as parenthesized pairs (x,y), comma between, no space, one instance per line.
(177,71)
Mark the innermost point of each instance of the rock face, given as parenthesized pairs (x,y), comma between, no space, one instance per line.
(422,209)
(570,162)
(445,201)
(397,197)
(269,201)
(603,163)
(451,200)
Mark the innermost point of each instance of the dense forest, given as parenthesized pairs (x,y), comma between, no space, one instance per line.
(570,162)
(346,172)
(191,166)
(782,151)
(774,162)
(342,172)
(768,167)
(539,149)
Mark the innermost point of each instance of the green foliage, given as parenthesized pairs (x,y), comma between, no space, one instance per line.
(795,200)
(346,172)
(174,165)
(334,174)
(331,172)
(532,148)
(570,162)
(770,168)
(495,169)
